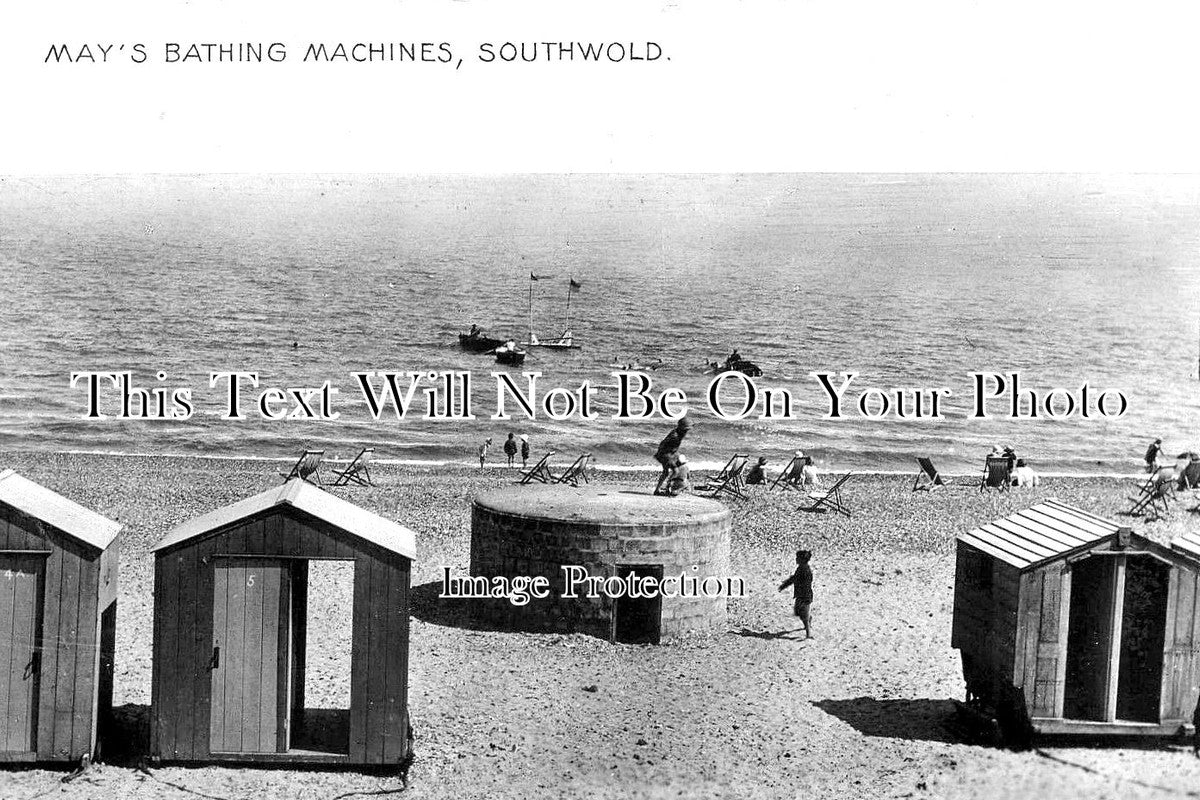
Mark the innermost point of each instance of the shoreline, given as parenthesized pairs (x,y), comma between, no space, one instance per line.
(699,466)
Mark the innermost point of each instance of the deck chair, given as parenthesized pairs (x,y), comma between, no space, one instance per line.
(540,471)
(357,471)
(729,480)
(576,472)
(997,474)
(790,478)
(1153,497)
(931,477)
(830,499)
(306,467)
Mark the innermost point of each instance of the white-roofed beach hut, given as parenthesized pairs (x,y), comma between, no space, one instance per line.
(231,623)
(1069,623)
(58,607)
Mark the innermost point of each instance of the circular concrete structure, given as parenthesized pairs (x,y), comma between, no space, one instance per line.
(655,567)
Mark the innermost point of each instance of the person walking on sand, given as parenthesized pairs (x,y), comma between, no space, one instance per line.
(510,449)
(524,451)
(801,582)
(668,451)
(483,451)
(1152,454)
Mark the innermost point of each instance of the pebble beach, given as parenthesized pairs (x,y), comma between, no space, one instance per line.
(864,709)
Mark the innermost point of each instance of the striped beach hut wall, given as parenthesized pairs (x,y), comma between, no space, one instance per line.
(231,626)
(1071,623)
(58,607)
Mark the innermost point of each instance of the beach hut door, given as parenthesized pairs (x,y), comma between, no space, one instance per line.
(251,656)
(1114,666)
(20,618)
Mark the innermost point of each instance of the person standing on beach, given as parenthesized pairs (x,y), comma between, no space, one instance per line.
(801,582)
(1152,454)
(510,449)
(483,451)
(524,451)
(668,451)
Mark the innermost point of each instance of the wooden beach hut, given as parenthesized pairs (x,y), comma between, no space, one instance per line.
(1068,623)
(58,610)
(231,632)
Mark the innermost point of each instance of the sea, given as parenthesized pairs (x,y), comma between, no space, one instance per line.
(919,285)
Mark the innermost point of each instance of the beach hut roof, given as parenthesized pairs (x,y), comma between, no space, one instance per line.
(1188,543)
(52,508)
(311,500)
(1040,533)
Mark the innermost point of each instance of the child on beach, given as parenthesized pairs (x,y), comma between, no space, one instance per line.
(483,451)
(668,451)
(680,480)
(510,449)
(524,451)
(801,582)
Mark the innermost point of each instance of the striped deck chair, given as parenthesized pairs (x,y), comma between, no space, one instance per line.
(932,478)
(1155,494)
(790,478)
(997,473)
(729,480)
(539,472)
(357,471)
(306,467)
(830,499)
(577,471)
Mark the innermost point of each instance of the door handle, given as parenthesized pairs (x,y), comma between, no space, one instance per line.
(215,661)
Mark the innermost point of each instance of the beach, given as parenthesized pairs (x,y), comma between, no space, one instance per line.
(864,709)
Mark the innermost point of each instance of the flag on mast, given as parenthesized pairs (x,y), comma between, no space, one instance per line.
(576,284)
(533,277)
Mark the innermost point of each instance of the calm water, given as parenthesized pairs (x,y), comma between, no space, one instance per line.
(906,280)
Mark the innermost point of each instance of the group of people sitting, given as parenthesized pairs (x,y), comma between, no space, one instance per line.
(676,474)
(1022,474)
(1183,473)
(800,470)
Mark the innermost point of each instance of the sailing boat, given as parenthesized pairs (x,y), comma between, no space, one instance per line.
(564,342)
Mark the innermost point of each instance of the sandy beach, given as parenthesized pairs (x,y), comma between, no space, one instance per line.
(862,710)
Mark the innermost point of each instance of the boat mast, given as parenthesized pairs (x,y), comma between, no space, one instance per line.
(570,286)
(531,280)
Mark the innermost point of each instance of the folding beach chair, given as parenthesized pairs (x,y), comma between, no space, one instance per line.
(576,472)
(997,474)
(539,472)
(830,499)
(306,467)
(928,478)
(1153,497)
(729,480)
(357,471)
(791,477)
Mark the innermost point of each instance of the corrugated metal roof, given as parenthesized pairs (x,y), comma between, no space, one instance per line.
(52,508)
(1187,543)
(307,498)
(1039,533)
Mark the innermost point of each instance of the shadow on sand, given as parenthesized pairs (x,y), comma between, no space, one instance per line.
(796,634)
(915,720)
(427,606)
